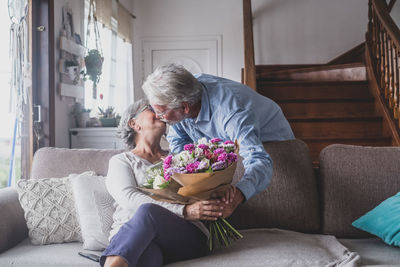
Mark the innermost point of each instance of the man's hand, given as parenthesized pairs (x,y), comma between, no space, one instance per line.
(233,197)
(209,210)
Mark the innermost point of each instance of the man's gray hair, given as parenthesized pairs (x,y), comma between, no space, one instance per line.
(126,133)
(170,85)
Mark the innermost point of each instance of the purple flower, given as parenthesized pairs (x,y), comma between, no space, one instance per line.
(223,156)
(203,146)
(219,165)
(232,157)
(192,167)
(229,142)
(219,151)
(215,140)
(189,147)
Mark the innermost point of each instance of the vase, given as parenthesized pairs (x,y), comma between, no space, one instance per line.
(83,120)
(108,122)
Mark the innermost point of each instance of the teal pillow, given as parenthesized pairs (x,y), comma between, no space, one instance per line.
(383,221)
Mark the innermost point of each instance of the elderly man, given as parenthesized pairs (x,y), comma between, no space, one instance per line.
(213,107)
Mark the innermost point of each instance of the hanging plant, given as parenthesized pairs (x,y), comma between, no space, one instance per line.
(93,64)
(94,58)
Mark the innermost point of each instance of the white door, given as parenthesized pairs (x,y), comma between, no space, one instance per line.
(197,54)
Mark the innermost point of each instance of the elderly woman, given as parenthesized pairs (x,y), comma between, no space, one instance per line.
(148,232)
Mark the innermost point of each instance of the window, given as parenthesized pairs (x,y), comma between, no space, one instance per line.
(116,80)
(7,118)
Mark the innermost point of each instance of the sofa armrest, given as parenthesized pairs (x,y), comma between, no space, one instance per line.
(13,227)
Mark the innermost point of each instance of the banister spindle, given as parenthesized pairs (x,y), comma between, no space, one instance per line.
(378,49)
(390,72)
(384,81)
(396,81)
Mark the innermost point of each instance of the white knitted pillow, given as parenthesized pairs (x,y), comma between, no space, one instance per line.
(49,210)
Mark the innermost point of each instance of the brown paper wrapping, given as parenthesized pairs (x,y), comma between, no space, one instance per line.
(186,188)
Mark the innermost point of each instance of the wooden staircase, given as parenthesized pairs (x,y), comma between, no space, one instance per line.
(337,102)
(325,104)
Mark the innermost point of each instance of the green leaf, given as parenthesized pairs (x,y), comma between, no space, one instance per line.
(164,185)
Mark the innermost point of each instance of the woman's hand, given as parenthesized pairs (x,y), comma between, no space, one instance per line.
(209,210)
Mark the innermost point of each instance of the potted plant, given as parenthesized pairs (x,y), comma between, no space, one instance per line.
(80,115)
(93,64)
(108,117)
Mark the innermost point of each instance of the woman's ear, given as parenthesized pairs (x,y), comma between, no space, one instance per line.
(133,125)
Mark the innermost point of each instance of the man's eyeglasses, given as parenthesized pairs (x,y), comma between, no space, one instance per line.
(160,114)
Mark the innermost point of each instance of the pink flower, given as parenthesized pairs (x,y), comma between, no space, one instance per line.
(208,154)
(215,140)
(229,142)
(192,167)
(189,147)
(167,162)
(219,151)
(223,156)
(203,146)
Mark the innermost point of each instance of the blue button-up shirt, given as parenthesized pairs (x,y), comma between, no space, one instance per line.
(230,111)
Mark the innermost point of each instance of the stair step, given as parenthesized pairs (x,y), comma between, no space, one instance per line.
(338,72)
(337,127)
(317,144)
(328,108)
(314,90)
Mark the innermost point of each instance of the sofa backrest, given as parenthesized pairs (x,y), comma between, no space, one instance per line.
(51,162)
(291,200)
(354,180)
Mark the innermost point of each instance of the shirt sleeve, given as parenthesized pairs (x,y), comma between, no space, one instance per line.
(177,138)
(121,184)
(242,126)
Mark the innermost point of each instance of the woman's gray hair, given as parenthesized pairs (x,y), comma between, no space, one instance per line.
(126,133)
(170,85)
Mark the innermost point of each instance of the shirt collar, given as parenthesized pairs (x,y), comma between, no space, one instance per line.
(205,113)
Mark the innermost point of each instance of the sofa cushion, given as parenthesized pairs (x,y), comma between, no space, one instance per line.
(354,180)
(278,248)
(60,162)
(95,208)
(291,200)
(383,221)
(55,255)
(373,251)
(49,210)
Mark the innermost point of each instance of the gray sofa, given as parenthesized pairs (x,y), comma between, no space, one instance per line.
(302,219)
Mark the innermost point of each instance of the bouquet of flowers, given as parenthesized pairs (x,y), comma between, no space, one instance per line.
(201,171)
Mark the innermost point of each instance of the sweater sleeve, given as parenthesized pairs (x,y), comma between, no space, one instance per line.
(121,184)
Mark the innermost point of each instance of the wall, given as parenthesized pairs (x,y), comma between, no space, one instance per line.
(285,31)
(62,105)
(307,31)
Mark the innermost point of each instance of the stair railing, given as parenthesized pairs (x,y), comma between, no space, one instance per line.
(249,77)
(383,58)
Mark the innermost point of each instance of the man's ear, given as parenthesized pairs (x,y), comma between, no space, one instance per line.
(133,125)
(186,107)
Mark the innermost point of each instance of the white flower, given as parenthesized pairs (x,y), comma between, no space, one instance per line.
(198,152)
(185,157)
(204,164)
(158,180)
(202,141)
